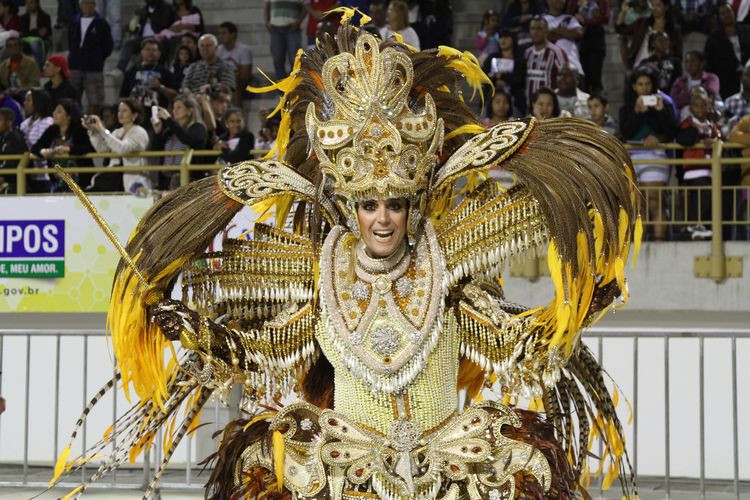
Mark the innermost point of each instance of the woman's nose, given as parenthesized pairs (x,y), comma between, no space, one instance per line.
(383,215)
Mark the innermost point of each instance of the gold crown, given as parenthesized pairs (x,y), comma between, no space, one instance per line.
(371,143)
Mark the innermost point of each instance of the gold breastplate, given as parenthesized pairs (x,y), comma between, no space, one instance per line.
(383,330)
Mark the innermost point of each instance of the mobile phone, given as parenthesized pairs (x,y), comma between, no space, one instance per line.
(154,114)
(649,100)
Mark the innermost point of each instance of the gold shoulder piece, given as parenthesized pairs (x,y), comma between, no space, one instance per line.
(253,181)
(488,227)
(483,151)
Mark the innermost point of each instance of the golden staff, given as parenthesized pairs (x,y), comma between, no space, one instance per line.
(102,223)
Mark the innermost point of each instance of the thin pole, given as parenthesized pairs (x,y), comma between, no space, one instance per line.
(57,396)
(735,434)
(668,486)
(702,423)
(26,413)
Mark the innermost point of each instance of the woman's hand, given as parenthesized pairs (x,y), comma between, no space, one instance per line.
(157,126)
(95,123)
(659,103)
(639,106)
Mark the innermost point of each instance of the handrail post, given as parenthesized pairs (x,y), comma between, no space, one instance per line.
(184,172)
(21,173)
(718,265)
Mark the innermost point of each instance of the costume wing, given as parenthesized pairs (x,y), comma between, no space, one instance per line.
(574,194)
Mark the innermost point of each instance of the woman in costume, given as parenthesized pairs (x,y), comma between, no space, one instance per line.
(378,297)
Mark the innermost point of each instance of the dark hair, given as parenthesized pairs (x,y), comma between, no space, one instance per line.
(600,97)
(487,15)
(188,4)
(539,17)
(192,57)
(217,89)
(41,101)
(8,115)
(551,93)
(135,107)
(670,24)
(653,36)
(71,109)
(229,112)
(189,35)
(150,40)
(11,6)
(229,26)
(697,54)
(630,95)
(500,91)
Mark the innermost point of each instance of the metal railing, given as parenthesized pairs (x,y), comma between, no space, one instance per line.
(184,167)
(596,338)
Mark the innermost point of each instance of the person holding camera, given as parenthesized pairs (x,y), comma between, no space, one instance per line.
(646,118)
(149,81)
(507,69)
(129,138)
(180,130)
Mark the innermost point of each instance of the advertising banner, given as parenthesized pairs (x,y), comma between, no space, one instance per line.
(54,257)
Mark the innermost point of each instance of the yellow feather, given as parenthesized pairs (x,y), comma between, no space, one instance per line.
(60,465)
(615,397)
(262,416)
(277,441)
(637,236)
(72,493)
(470,128)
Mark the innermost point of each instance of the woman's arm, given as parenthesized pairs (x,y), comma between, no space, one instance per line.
(45,140)
(193,137)
(136,140)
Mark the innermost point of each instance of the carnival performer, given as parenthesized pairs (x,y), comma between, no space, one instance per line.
(377,297)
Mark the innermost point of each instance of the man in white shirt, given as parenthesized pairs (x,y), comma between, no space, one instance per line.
(573,101)
(238,55)
(564,31)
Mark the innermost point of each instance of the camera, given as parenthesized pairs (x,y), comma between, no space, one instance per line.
(90,120)
(649,100)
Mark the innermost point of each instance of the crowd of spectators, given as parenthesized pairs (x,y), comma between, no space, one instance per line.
(545,59)
(182,87)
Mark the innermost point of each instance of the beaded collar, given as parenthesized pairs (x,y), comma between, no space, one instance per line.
(383,324)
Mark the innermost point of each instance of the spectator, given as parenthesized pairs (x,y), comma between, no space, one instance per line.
(646,119)
(564,30)
(599,114)
(573,101)
(189,20)
(183,129)
(636,21)
(697,128)
(11,143)
(693,15)
(693,77)
(109,117)
(66,11)
(499,108)
(237,55)
(38,108)
(665,67)
(544,59)
(315,10)
(507,69)
(544,104)
(191,42)
(6,101)
(283,19)
(217,101)
(727,50)
(594,15)
(488,39)
(65,136)
(236,143)
(269,128)
(209,70)
(149,82)
(397,22)
(19,72)
(129,138)
(518,18)
(183,58)
(738,105)
(58,86)
(433,22)
(90,44)
(153,17)
(36,30)
(377,17)
(9,20)
(110,10)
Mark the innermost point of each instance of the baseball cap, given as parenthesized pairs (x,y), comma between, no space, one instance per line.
(61,63)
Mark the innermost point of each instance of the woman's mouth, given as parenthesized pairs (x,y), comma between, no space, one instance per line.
(382,235)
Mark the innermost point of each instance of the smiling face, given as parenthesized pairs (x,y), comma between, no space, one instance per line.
(235,123)
(383,225)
